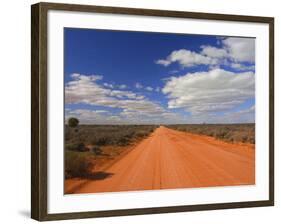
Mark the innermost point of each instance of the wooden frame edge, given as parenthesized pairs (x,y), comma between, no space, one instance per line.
(271,111)
(34,112)
(39,110)
(156,210)
(153,12)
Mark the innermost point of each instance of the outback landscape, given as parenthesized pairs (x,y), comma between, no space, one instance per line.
(153,111)
(104,158)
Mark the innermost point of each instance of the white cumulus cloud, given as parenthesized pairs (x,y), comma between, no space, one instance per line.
(123,86)
(149,88)
(242,67)
(213,91)
(108,85)
(187,58)
(213,52)
(240,49)
(233,49)
(135,108)
(138,85)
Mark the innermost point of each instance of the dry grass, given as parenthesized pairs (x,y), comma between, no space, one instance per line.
(89,147)
(78,164)
(228,132)
(102,135)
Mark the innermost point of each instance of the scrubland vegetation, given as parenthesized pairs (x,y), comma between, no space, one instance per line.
(244,133)
(89,146)
(86,146)
(78,164)
(102,135)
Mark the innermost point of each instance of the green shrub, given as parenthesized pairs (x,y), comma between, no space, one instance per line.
(123,141)
(73,122)
(102,140)
(244,139)
(181,129)
(75,147)
(78,164)
(221,134)
(141,134)
(96,150)
(252,140)
(130,134)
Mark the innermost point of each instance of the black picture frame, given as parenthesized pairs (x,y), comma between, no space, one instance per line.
(39,110)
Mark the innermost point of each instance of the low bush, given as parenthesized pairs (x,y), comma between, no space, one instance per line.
(141,134)
(75,147)
(104,135)
(181,129)
(228,132)
(96,150)
(221,134)
(123,141)
(73,122)
(103,140)
(78,164)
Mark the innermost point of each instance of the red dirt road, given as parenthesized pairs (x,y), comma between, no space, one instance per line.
(171,159)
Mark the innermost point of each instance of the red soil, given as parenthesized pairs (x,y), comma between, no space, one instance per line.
(171,159)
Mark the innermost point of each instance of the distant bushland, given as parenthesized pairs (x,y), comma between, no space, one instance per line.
(103,135)
(244,133)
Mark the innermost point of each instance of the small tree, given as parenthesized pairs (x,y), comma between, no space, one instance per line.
(73,122)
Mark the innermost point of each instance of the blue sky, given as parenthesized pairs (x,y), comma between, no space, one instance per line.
(116,77)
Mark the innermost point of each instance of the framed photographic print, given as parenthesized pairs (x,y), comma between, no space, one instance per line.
(138,111)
